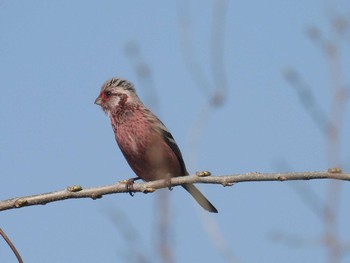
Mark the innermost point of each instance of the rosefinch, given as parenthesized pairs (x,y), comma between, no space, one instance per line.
(145,142)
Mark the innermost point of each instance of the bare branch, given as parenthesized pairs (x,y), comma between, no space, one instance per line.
(308,100)
(74,192)
(11,245)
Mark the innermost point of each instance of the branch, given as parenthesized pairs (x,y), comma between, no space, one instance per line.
(11,245)
(73,192)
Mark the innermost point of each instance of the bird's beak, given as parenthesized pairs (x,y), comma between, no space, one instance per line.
(98,101)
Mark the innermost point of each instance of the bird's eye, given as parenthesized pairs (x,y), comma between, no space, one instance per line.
(108,93)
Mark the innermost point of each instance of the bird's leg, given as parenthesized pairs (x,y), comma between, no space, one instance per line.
(168,183)
(130,185)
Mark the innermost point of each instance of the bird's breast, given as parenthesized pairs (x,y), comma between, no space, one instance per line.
(145,150)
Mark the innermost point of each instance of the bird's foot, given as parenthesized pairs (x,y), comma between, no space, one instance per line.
(168,183)
(130,185)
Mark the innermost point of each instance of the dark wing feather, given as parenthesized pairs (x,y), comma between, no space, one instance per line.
(197,195)
(169,139)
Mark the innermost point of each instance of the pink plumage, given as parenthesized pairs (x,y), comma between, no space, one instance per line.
(145,142)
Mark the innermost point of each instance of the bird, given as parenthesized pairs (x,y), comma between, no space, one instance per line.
(147,145)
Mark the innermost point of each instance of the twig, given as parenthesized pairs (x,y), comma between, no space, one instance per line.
(11,245)
(74,192)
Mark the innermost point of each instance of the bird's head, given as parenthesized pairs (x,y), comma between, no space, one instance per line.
(116,93)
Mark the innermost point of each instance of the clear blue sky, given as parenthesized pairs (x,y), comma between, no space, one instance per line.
(55,55)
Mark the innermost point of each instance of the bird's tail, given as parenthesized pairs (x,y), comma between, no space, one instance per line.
(200,198)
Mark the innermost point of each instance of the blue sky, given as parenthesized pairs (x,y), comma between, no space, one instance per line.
(55,55)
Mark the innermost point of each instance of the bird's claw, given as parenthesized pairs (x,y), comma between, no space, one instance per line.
(129,183)
(130,186)
(168,183)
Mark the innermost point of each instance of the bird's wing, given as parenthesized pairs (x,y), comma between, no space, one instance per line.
(169,139)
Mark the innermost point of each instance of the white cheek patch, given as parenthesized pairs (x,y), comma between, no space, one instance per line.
(115,101)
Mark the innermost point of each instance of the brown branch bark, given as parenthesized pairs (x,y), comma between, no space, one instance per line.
(11,245)
(73,192)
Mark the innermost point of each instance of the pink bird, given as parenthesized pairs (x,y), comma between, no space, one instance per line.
(145,142)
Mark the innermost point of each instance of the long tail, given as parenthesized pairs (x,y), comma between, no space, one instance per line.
(200,198)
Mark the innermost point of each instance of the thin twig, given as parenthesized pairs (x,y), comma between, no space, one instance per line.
(74,192)
(11,245)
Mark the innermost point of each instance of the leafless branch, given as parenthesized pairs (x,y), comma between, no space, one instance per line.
(308,100)
(74,192)
(11,245)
